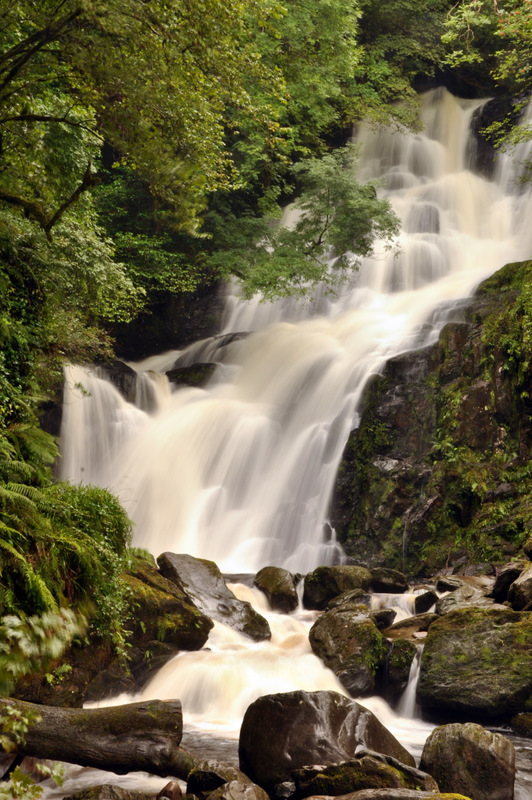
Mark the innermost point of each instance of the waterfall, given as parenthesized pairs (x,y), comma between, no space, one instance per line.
(241,472)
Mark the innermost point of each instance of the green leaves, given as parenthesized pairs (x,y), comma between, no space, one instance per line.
(337,218)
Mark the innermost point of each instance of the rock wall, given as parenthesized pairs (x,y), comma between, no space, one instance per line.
(438,471)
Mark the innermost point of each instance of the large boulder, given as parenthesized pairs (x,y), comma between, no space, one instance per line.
(468,758)
(279,586)
(477,663)
(394,794)
(325,583)
(350,644)
(367,771)
(203,583)
(282,732)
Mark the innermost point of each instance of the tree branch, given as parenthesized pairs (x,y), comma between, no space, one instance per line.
(36,212)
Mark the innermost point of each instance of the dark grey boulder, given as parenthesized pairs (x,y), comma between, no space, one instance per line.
(282,732)
(203,583)
(469,759)
(504,578)
(424,602)
(325,583)
(279,586)
(520,591)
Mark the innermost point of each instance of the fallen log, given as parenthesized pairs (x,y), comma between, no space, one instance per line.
(134,737)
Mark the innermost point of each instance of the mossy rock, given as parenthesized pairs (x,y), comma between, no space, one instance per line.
(349,643)
(477,663)
(325,583)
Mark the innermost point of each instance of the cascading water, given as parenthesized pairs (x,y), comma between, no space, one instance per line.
(241,472)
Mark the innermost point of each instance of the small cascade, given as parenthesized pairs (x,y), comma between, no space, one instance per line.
(407,707)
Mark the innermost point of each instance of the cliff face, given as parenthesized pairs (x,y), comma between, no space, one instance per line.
(438,471)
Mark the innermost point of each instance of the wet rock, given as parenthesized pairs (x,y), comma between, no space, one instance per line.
(520,591)
(410,628)
(210,775)
(108,792)
(357,597)
(398,666)
(465,596)
(239,790)
(504,578)
(448,583)
(389,581)
(383,617)
(325,583)
(279,586)
(394,794)
(522,724)
(203,584)
(282,732)
(194,375)
(172,791)
(367,771)
(469,759)
(349,643)
(477,662)
(425,601)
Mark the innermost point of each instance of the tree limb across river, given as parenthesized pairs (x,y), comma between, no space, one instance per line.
(138,736)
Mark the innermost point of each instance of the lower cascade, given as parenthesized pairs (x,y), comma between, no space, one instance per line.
(241,472)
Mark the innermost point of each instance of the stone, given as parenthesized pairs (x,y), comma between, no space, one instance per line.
(356,597)
(108,792)
(279,586)
(477,663)
(238,790)
(398,666)
(383,617)
(424,602)
(349,643)
(520,591)
(282,732)
(389,581)
(504,578)
(469,759)
(210,775)
(172,791)
(203,583)
(411,627)
(325,583)
(466,596)
(367,771)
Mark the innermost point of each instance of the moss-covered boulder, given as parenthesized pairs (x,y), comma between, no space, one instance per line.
(325,583)
(472,760)
(210,775)
(108,792)
(366,771)
(477,663)
(279,586)
(283,732)
(350,644)
(202,582)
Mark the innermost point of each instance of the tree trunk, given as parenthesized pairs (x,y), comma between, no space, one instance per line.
(127,738)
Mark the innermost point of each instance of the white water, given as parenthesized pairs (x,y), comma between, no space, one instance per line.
(241,472)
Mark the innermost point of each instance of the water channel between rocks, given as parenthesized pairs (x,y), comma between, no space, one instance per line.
(241,471)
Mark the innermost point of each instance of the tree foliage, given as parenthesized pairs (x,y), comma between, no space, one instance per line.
(337,218)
